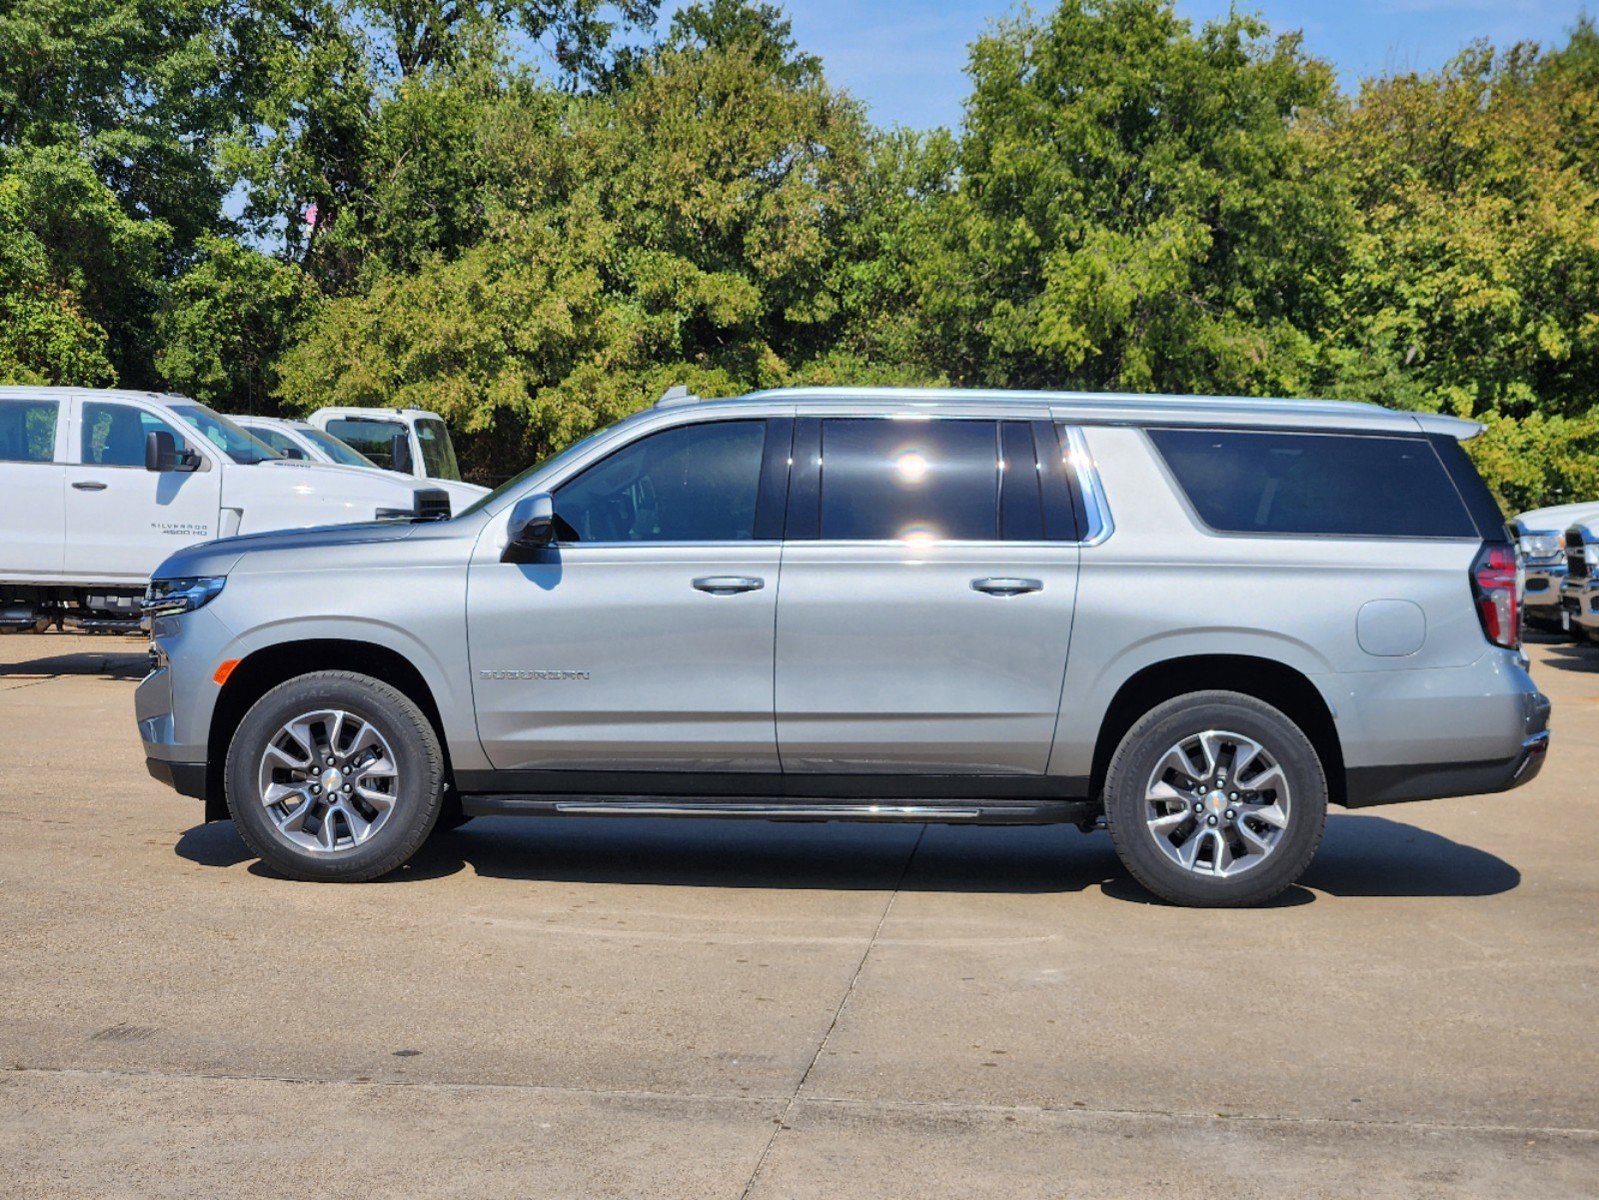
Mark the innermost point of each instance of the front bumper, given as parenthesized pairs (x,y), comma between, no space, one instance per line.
(1580,602)
(1541,592)
(174,702)
(187,779)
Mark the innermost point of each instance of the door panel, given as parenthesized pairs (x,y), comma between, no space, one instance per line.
(890,659)
(610,658)
(923,619)
(33,517)
(122,520)
(643,642)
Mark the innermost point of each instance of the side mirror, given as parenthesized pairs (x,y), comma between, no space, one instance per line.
(161,453)
(293,452)
(532,528)
(400,451)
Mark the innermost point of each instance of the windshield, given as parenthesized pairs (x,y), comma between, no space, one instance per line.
(438,455)
(515,482)
(376,439)
(345,456)
(241,447)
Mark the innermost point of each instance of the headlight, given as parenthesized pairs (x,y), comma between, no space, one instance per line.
(1543,545)
(168,597)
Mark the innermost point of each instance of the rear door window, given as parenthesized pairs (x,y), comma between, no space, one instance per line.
(889,480)
(1340,485)
(28,430)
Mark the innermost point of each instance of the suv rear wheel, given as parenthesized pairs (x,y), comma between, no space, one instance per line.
(335,776)
(1215,799)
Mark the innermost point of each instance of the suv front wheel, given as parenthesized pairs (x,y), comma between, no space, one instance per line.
(335,776)
(1215,799)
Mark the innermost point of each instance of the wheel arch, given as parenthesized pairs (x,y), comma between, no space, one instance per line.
(1265,679)
(263,669)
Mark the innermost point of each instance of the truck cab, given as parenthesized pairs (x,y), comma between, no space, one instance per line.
(411,441)
(103,485)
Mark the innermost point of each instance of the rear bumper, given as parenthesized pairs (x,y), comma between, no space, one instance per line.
(1370,786)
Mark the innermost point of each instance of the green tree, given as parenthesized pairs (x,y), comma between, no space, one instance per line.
(761,29)
(1473,287)
(1136,208)
(685,230)
(225,321)
(45,336)
(68,239)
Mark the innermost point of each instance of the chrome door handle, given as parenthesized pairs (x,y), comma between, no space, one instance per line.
(728,585)
(995,586)
(89,485)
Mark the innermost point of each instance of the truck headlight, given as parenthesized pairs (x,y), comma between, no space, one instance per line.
(168,597)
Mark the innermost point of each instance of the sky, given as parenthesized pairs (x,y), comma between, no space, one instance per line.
(906,58)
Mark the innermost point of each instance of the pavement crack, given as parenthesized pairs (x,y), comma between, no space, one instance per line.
(781,1121)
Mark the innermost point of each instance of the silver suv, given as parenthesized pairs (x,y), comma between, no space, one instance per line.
(1194,621)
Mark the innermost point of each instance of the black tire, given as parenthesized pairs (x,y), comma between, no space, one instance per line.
(1167,726)
(418,789)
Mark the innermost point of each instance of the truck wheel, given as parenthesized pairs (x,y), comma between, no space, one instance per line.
(334,776)
(1215,799)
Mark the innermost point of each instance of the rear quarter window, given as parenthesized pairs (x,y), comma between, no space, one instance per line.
(1350,485)
(28,430)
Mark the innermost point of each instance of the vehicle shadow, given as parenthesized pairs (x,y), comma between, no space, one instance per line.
(1360,855)
(1572,656)
(118,658)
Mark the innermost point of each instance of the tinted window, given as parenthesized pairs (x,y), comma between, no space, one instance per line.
(243,448)
(1350,485)
(334,449)
(113,434)
(1021,501)
(695,483)
(277,440)
(375,439)
(895,480)
(438,453)
(28,430)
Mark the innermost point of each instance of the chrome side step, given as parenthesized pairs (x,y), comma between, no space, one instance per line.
(984,812)
(839,810)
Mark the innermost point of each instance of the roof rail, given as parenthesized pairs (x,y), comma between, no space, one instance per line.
(675,395)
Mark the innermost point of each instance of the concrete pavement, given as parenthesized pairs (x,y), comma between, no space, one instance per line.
(686,1009)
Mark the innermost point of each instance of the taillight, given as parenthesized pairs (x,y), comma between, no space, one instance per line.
(1493,582)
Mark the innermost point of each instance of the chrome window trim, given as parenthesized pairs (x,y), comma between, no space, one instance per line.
(1096,508)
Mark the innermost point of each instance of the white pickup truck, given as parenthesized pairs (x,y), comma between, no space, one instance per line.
(411,441)
(100,486)
(301,439)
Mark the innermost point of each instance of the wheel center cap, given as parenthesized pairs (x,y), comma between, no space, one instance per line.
(1216,802)
(331,779)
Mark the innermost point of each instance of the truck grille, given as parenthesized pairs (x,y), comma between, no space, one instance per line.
(1576,555)
(432,504)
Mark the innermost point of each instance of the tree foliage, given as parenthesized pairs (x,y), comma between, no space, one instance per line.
(526,216)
